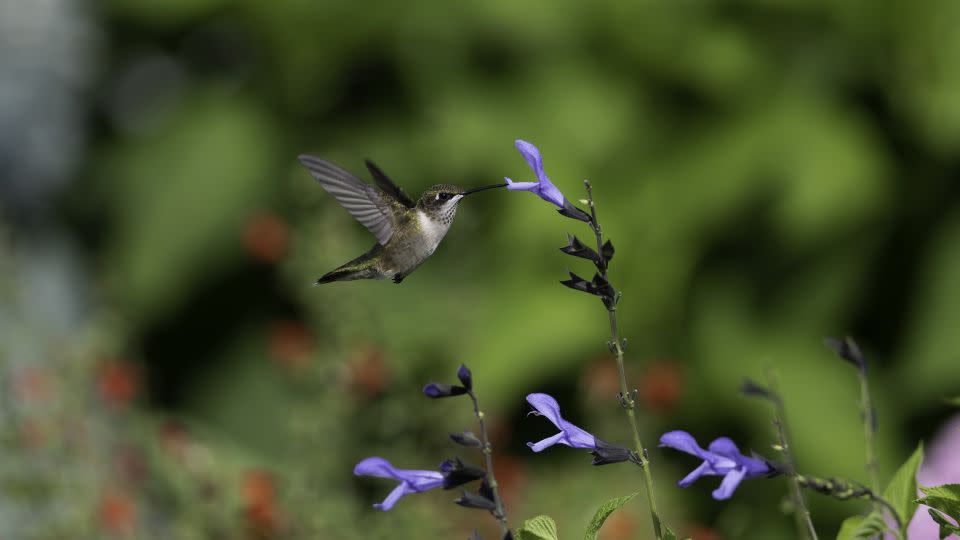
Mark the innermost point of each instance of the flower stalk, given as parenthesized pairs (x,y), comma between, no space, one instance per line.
(627,398)
(498,512)
(801,512)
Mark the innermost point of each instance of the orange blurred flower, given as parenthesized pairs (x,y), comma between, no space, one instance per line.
(621,525)
(118,382)
(702,532)
(290,345)
(117,512)
(265,237)
(260,502)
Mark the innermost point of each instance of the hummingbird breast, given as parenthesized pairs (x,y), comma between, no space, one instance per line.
(412,245)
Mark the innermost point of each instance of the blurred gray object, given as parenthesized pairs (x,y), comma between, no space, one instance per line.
(47,59)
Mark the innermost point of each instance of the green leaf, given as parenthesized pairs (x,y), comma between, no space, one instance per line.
(946,528)
(537,528)
(603,513)
(945,498)
(862,527)
(901,492)
(668,533)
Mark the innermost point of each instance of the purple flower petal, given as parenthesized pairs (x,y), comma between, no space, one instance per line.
(532,154)
(570,434)
(729,484)
(703,470)
(682,441)
(542,445)
(392,498)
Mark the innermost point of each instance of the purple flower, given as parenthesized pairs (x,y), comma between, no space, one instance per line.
(543,186)
(722,458)
(410,481)
(603,453)
(569,435)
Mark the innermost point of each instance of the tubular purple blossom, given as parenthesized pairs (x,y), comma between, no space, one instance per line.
(411,481)
(569,435)
(543,187)
(722,458)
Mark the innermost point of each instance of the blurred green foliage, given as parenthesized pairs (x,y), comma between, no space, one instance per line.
(770,172)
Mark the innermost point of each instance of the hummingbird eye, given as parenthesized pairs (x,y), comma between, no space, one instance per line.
(444,196)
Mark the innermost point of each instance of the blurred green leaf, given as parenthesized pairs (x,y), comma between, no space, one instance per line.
(537,528)
(862,527)
(901,492)
(604,512)
(945,498)
(946,528)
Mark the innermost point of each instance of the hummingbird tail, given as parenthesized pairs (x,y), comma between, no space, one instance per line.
(360,268)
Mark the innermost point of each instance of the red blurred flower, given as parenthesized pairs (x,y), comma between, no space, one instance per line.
(661,385)
(265,237)
(290,344)
(260,502)
(32,385)
(366,372)
(117,512)
(118,382)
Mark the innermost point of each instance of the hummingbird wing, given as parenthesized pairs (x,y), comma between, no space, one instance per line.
(388,186)
(373,208)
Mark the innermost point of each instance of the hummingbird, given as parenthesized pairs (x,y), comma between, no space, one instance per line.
(407,232)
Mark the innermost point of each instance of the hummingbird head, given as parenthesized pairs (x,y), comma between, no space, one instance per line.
(440,201)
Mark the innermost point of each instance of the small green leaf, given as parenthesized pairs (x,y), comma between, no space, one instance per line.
(862,527)
(537,528)
(901,492)
(668,533)
(603,513)
(946,528)
(945,498)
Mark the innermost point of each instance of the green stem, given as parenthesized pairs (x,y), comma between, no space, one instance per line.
(487,450)
(801,512)
(843,490)
(627,401)
(869,421)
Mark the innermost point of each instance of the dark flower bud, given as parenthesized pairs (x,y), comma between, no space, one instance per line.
(456,473)
(466,439)
(577,248)
(847,349)
(485,490)
(605,453)
(437,390)
(466,378)
(473,500)
(750,388)
(607,251)
(572,211)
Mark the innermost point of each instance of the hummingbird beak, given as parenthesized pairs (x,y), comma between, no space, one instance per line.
(491,186)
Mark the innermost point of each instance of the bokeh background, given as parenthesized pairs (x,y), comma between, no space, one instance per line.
(770,172)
